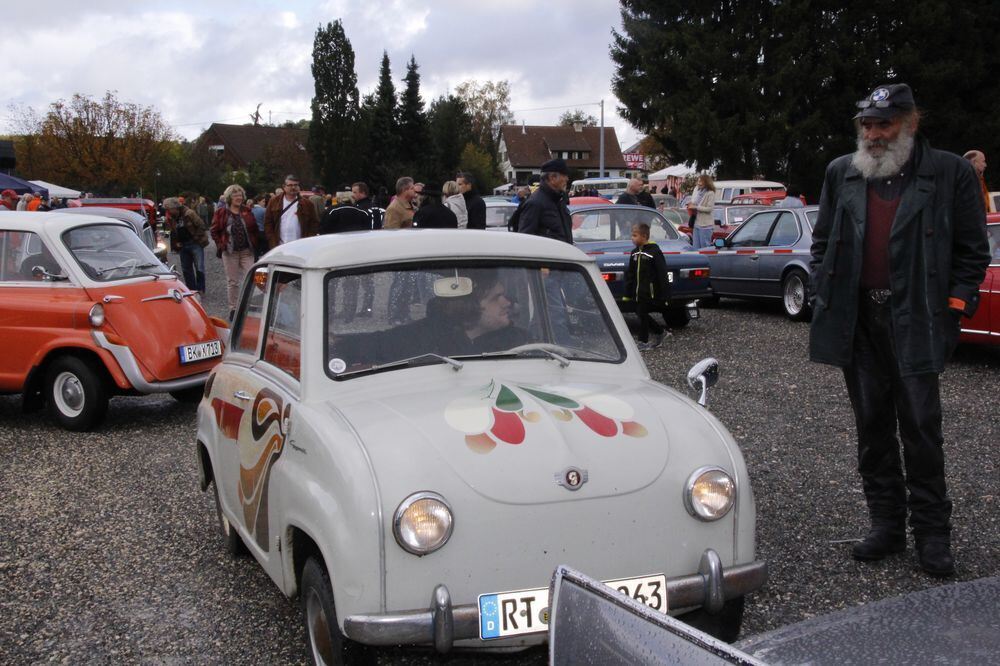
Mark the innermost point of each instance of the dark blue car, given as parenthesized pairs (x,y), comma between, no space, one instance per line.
(605,232)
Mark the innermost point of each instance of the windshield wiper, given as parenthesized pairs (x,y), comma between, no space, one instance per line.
(127,265)
(455,365)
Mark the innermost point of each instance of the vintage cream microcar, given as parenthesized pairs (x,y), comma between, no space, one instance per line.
(410,430)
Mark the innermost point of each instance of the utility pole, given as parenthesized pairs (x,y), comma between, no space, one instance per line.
(601,162)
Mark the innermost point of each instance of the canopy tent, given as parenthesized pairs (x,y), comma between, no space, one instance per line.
(677,171)
(57,190)
(8,182)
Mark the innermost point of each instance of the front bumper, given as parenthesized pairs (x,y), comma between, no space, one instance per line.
(126,360)
(443,624)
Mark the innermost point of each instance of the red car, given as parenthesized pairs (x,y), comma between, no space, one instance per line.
(984,327)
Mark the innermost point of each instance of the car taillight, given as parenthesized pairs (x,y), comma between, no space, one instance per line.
(699,273)
(609,277)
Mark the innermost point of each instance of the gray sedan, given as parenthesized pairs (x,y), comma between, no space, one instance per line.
(767,257)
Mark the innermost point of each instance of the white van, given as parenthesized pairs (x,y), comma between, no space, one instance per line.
(725,190)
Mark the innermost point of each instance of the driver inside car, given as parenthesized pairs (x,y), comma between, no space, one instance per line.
(478,322)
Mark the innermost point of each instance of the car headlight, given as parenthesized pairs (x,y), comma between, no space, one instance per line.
(709,493)
(423,523)
(97,315)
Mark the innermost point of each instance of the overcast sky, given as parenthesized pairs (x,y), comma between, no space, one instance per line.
(208,61)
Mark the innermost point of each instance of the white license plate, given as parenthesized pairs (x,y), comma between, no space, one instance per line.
(670,276)
(506,614)
(201,351)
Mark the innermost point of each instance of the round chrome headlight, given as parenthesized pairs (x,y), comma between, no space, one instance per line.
(423,523)
(709,493)
(97,315)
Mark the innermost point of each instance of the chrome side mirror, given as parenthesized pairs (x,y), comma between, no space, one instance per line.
(701,376)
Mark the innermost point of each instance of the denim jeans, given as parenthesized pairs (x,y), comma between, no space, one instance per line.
(702,237)
(193,265)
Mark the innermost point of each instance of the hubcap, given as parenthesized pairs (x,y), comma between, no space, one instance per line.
(319,629)
(68,394)
(795,295)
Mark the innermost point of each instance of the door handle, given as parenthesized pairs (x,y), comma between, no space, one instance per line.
(754,258)
(242,395)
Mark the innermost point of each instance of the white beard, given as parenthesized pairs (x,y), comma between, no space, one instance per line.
(890,162)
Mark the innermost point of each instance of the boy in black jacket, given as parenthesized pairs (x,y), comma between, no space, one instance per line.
(646,284)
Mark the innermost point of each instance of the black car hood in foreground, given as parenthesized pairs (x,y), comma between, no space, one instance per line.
(957,623)
(950,624)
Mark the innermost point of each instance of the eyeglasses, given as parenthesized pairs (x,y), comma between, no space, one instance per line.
(878,104)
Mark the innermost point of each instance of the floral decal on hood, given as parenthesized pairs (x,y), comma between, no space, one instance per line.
(501,414)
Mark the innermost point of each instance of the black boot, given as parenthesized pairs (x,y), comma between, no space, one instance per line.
(881,541)
(935,558)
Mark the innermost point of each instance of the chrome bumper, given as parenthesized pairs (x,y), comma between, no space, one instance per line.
(443,624)
(132,372)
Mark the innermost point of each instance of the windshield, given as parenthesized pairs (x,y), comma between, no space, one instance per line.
(993,231)
(609,223)
(109,252)
(455,311)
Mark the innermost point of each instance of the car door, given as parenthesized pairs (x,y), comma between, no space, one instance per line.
(257,389)
(785,233)
(735,268)
(984,326)
(34,311)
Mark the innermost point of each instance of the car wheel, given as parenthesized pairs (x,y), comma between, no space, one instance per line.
(189,395)
(677,317)
(793,296)
(77,394)
(326,644)
(724,625)
(231,539)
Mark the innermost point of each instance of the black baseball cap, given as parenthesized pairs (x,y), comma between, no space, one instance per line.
(886,102)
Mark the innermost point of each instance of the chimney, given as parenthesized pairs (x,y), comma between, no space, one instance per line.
(577,127)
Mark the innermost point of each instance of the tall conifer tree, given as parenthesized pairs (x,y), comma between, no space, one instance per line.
(332,131)
(414,147)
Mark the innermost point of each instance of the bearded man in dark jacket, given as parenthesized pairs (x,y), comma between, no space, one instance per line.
(898,253)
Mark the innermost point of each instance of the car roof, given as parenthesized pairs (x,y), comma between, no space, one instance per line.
(747,183)
(117,213)
(605,206)
(51,222)
(382,247)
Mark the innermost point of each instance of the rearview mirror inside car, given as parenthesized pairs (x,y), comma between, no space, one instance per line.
(451,287)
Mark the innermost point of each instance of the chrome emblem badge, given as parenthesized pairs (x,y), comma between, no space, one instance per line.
(176,295)
(571,478)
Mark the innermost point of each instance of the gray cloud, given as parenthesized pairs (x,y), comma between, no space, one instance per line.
(199,62)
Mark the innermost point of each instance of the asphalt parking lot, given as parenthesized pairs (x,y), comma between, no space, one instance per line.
(109,552)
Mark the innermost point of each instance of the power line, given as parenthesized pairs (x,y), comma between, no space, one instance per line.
(555,108)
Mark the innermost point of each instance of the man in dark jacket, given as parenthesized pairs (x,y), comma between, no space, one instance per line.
(188,238)
(473,202)
(898,253)
(545,213)
(433,214)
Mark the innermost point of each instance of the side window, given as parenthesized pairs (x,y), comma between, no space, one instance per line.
(283,341)
(785,232)
(754,231)
(20,252)
(251,311)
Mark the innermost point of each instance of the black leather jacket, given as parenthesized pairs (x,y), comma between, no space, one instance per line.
(545,214)
(938,250)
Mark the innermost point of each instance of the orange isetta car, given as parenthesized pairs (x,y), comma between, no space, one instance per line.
(88,312)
